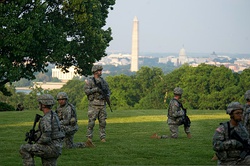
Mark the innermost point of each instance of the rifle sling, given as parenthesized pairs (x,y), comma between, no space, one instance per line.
(179,104)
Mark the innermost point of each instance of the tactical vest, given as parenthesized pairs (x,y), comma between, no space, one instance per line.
(229,154)
(55,127)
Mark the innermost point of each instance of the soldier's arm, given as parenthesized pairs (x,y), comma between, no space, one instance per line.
(220,143)
(45,137)
(176,109)
(67,115)
(89,87)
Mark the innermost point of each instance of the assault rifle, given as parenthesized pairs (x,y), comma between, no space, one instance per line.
(104,93)
(186,120)
(30,136)
(106,97)
(246,146)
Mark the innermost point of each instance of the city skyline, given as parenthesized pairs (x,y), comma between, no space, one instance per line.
(166,25)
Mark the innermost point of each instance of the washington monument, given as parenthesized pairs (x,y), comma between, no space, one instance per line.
(135,45)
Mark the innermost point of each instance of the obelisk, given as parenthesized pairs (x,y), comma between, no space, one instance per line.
(135,45)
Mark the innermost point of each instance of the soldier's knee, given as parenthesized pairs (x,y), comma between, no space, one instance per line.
(102,123)
(25,151)
(91,124)
(49,162)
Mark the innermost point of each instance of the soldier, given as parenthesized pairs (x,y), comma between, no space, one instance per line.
(175,116)
(246,113)
(227,146)
(20,107)
(97,89)
(48,144)
(68,121)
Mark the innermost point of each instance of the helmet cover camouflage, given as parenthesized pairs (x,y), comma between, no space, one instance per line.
(247,95)
(46,99)
(96,68)
(62,95)
(178,91)
(233,106)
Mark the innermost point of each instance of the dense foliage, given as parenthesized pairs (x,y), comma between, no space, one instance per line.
(205,87)
(6,107)
(63,32)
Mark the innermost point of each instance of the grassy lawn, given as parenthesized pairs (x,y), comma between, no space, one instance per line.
(128,139)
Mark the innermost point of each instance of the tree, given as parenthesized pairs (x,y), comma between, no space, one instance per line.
(125,92)
(67,33)
(152,87)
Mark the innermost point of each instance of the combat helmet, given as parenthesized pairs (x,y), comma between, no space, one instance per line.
(96,68)
(62,95)
(233,106)
(178,91)
(46,99)
(247,95)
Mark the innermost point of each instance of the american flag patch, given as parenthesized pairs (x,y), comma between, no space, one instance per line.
(219,129)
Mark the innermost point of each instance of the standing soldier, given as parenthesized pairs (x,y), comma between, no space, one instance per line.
(68,121)
(229,137)
(48,137)
(97,90)
(176,116)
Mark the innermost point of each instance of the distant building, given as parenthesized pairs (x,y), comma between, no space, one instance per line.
(182,57)
(166,59)
(115,59)
(63,76)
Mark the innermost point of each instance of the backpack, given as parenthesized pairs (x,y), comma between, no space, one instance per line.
(74,115)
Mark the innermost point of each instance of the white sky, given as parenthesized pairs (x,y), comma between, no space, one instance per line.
(202,26)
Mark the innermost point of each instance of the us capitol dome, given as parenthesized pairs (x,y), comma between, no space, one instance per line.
(182,56)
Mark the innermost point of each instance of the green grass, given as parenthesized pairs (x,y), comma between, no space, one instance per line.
(128,139)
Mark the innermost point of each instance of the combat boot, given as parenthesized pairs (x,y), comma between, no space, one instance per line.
(214,158)
(89,144)
(189,135)
(155,136)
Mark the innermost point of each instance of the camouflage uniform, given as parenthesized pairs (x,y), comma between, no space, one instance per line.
(176,115)
(246,115)
(175,118)
(68,121)
(97,103)
(246,120)
(49,142)
(228,150)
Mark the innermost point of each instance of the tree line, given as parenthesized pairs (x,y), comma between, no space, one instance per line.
(35,33)
(205,87)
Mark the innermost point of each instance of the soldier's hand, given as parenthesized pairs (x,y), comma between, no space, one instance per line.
(236,144)
(93,90)
(96,89)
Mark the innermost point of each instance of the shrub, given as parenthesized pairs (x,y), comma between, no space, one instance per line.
(6,107)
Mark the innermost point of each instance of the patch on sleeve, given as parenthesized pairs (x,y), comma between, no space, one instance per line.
(176,103)
(220,129)
(86,81)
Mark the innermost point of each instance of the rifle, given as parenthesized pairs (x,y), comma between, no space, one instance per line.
(246,146)
(186,120)
(104,93)
(30,136)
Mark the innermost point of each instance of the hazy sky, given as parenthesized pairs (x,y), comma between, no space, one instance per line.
(202,26)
